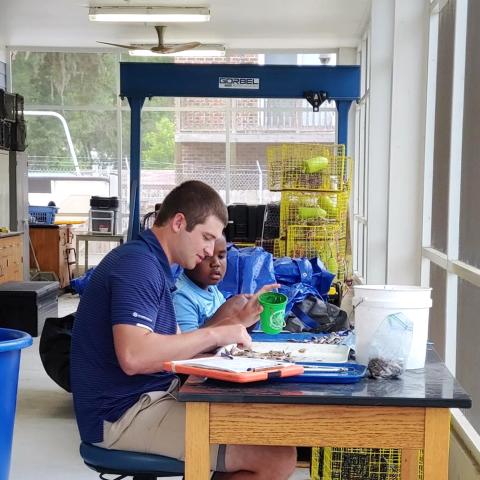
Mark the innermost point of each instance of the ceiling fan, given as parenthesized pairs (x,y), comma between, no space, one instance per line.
(161,47)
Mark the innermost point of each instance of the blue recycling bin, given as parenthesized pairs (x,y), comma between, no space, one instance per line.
(11,342)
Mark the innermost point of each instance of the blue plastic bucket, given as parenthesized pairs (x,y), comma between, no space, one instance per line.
(11,342)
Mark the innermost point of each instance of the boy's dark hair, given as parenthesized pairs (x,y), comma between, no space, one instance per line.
(196,200)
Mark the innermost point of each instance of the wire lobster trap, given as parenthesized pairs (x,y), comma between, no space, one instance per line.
(322,241)
(358,464)
(274,166)
(308,167)
(314,208)
(279,247)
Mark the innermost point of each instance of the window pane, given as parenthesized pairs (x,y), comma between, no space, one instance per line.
(248,173)
(436,326)
(203,161)
(470,192)
(468,353)
(69,177)
(293,119)
(59,78)
(443,120)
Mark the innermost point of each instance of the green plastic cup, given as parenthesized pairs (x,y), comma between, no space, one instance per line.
(272,318)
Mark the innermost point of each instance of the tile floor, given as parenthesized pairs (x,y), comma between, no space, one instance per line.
(46,440)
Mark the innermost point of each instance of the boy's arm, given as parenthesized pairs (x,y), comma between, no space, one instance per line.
(186,312)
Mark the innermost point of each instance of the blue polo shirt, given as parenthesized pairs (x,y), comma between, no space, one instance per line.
(132,285)
(195,305)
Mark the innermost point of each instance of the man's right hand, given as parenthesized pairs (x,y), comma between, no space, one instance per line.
(228,334)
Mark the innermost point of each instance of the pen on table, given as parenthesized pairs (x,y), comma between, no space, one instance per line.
(263,369)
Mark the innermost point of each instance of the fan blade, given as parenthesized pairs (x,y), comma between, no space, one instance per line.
(166,49)
(129,47)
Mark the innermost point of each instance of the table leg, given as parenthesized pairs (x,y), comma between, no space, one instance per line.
(409,467)
(77,255)
(197,441)
(86,256)
(437,437)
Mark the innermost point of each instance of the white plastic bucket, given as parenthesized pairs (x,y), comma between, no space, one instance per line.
(372,303)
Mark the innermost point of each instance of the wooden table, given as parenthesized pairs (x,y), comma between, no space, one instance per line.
(411,413)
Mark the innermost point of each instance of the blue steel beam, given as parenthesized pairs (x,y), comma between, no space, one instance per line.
(142,80)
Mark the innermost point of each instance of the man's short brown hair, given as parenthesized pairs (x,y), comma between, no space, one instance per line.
(196,200)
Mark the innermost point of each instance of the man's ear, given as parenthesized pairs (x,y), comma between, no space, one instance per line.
(178,222)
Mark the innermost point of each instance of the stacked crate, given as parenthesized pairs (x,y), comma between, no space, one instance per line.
(314,181)
(333,463)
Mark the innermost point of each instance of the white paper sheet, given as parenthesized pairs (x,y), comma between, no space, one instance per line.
(236,364)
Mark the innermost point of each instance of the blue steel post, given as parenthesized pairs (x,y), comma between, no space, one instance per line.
(343,108)
(136,105)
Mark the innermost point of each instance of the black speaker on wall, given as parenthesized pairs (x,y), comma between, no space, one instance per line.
(19,136)
(8,106)
(5,135)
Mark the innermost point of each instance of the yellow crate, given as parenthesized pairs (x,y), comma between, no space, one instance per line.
(244,244)
(279,247)
(313,208)
(358,464)
(274,165)
(308,167)
(319,241)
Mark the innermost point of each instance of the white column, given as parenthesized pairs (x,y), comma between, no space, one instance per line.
(378,124)
(407,141)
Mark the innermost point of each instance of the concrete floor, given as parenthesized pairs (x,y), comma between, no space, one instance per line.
(46,439)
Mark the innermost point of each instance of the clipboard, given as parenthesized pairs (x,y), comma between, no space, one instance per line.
(238,370)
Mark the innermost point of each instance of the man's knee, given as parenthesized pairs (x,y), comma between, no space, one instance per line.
(281,462)
(270,463)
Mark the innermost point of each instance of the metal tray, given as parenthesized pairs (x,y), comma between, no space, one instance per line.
(320,373)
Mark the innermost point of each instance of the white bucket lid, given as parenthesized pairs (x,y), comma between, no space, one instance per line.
(392,304)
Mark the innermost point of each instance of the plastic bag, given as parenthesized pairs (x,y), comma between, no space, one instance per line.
(248,269)
(390,347)
(79,284)
(291,271)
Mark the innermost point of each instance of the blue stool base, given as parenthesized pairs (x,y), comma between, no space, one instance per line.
(130,464)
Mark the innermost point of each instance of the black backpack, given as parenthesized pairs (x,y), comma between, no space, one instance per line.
(55,346)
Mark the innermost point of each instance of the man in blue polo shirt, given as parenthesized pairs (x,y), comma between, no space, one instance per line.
(125,328)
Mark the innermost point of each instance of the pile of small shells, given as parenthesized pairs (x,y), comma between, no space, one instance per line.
(383,368)
(271,355)
(331,339)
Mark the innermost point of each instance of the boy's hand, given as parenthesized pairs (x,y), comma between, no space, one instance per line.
(228,334)
(243,308)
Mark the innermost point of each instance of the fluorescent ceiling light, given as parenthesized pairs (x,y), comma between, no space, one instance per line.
(149,14)
(204,50)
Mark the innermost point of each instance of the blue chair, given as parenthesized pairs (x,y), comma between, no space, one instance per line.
(139,466)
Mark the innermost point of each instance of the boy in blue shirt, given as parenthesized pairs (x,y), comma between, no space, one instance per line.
(198,302)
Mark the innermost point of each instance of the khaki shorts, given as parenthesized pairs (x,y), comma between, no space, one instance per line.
(155,424)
